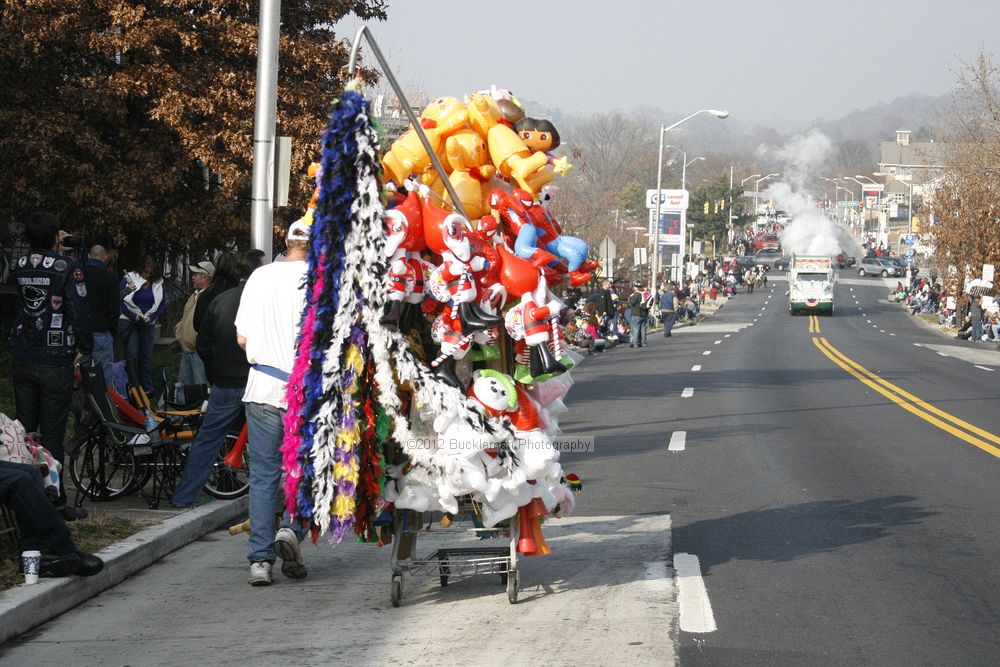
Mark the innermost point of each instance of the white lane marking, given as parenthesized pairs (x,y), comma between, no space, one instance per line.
(696,368)
(727,336)
(716,342)
(762,308)
(692,596)
(677,441)
(868,321)
(941,354)
(984,368)
(918,344)
(874,326)
(688,392)
(881,330)
(892,334)
(706,353)
(852,289)
(751,324)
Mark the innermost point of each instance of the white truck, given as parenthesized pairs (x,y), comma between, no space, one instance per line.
(810,284)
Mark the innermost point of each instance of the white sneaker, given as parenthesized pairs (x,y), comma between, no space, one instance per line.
(260,574)
(286,545)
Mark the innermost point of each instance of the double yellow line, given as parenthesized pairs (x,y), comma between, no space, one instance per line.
(957,427)
(813,323)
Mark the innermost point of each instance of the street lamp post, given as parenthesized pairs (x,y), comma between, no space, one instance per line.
(684,170)
(659,188)
(756,193)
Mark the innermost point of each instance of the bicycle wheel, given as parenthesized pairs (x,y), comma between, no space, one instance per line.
(114,477)
(227,482)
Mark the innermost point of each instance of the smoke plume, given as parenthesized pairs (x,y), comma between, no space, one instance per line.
(810,232)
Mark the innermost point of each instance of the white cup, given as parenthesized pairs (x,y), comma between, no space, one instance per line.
(31,562)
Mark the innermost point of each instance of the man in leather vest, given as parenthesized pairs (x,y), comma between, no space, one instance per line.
(51,332)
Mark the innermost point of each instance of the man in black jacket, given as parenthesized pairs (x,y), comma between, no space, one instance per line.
(51,332)
(227,368)
(105,307)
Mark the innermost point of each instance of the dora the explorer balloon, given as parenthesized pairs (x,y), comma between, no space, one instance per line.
(539,134)
(512,158)
(439,119)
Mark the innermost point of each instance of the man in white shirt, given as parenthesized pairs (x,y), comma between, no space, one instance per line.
(267,325)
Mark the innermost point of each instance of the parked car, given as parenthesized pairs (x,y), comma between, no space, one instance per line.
(878,266)
(782,263)
(844,260)
(901,263)
(767,257)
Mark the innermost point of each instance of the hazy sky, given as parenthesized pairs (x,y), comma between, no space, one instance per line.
(767,62)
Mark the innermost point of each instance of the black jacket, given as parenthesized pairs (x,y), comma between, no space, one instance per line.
(225,361)
(54,321)
(103,297)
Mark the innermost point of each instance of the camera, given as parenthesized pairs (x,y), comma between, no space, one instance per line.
(72,242)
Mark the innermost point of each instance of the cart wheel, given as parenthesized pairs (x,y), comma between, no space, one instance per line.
(444,571)
(513,584)
(396,591)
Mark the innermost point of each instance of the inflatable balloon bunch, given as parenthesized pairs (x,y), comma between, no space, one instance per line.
(377,421)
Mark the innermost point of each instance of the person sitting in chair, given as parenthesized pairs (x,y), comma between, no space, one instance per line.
(40,526)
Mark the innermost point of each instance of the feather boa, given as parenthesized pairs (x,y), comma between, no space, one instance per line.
(348,364)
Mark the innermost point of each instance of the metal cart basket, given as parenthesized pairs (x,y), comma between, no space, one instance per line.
(452,563)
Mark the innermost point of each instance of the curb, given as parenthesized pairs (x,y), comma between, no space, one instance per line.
(25,607)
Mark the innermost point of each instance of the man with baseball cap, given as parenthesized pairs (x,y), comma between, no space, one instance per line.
(267,324)
(192,371)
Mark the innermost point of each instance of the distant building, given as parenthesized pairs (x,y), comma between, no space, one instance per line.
(910,169)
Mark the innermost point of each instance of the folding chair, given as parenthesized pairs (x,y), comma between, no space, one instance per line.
(119,456)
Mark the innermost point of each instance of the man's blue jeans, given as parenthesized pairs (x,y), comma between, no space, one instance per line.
(224,405)
(104,352)
(265,432)
(977,328)
(192,370)
(639,326)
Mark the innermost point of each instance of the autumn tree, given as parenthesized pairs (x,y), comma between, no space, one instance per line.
(966,199)
(111,108)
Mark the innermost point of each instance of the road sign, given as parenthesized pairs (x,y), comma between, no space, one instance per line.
(909,253)
(639,256)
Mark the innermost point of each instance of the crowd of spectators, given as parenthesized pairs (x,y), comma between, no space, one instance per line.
(975,317)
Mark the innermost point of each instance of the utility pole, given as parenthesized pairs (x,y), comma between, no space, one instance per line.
(265,111)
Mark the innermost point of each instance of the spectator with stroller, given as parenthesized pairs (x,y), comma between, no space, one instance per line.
(143,302)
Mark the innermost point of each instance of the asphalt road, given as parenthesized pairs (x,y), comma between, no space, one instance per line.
(811,516)
(831,525)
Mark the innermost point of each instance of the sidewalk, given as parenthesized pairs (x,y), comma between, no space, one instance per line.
(25,607)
